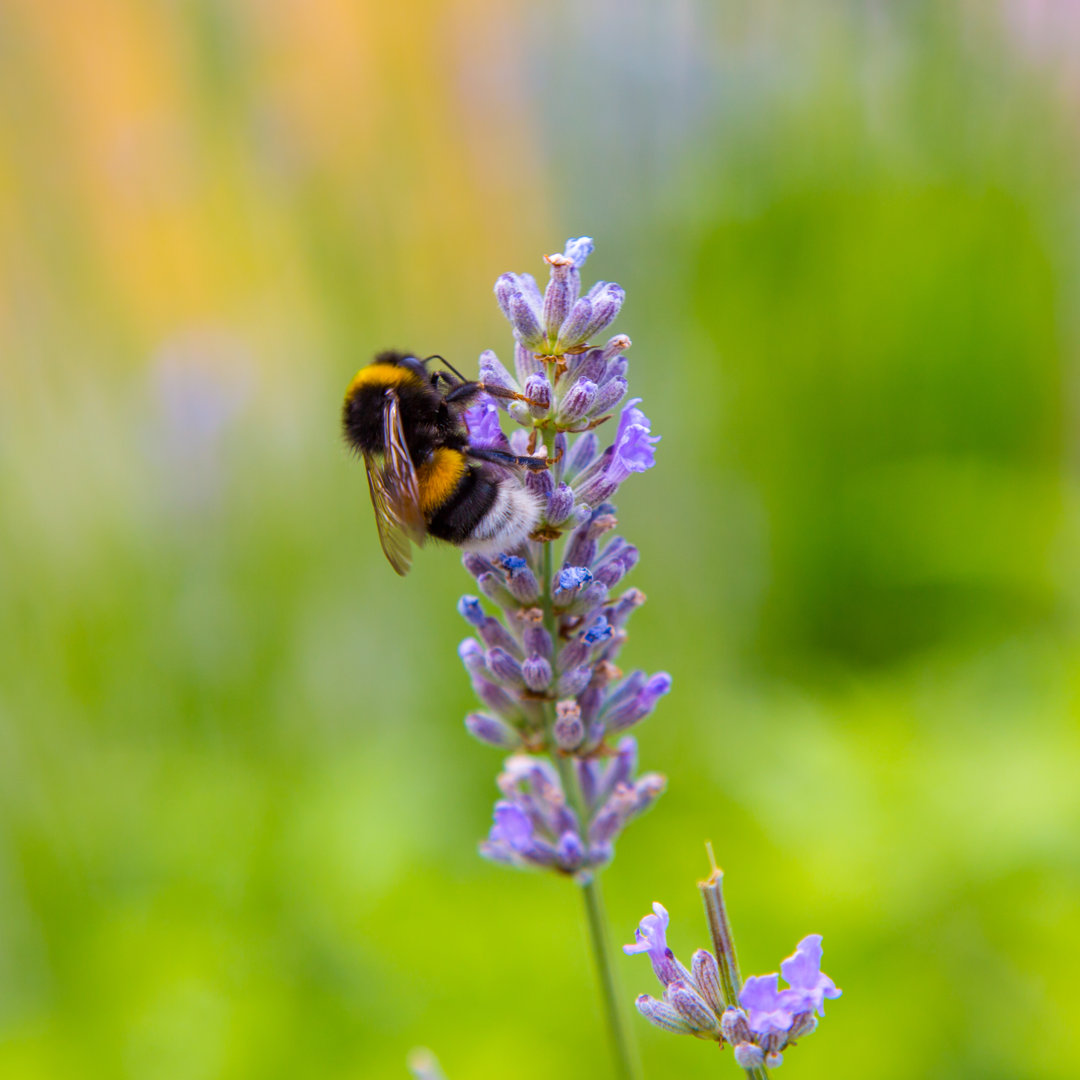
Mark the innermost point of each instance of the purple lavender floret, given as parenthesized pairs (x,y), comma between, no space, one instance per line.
(766,1019)
(482,420)
(651,937)
(765,1005)
(549,622)
(802,971)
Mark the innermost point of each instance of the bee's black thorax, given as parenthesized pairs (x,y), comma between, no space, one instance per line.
(427,421)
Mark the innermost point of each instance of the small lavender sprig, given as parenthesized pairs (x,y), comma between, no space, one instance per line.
(542,657)
(710,1002)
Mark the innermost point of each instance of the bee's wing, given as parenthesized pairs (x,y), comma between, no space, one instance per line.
(395,492)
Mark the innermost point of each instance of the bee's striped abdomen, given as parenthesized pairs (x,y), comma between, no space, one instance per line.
(439,478)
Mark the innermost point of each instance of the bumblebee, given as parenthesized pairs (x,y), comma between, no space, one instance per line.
(426,478)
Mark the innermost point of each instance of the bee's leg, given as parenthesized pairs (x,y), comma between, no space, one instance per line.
(504,457)
(463,393)
(506,395)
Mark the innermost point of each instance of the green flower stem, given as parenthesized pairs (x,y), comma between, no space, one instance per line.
(621,1042)
(626,1060)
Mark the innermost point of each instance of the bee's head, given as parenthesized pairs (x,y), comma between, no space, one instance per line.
(405,360)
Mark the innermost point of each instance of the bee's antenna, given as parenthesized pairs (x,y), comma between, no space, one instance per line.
(436,356)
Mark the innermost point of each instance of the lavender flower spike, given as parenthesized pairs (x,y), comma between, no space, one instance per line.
(549,627)
(769,1020)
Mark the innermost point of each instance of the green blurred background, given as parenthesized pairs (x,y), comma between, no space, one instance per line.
(238,810)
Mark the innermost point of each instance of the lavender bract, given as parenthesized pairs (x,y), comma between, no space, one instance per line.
(543,656)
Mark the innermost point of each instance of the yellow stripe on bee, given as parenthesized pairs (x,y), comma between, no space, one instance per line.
(439,478)
(388,375)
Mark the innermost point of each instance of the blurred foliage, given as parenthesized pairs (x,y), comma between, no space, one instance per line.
(238,811)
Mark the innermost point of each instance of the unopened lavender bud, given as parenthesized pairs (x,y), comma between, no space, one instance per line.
(496,699)
(571,851)
(476,564)
(631,712)
(647,790)
(505,289)
(538,390)
(542,485)
(706,975)
(596,490)
(504,667)
(608,396)
(662,1015)
(536,671)
(581,548)
(578,402)
(626,691)
(616,369)
(735,1026)
(575,329)
(520,580)
(526,362)
(600,855)
(525,322)
(492,373)
(606,298)
(749,1056)
(472,656)
(589,771)
(573,654)
(569,730)
(774,1059)
(569,583)
(471,611)
(598,487)
(628,603)
(559,294)
(572,682)
(622,765)
(493,587)
(615,345)
(560,505)
(590,365)
(613,815)
(519,413)
(493,731)
(614,548)
(495,634)
(610,574)
(537,641)
(582,454)
(692,1008)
